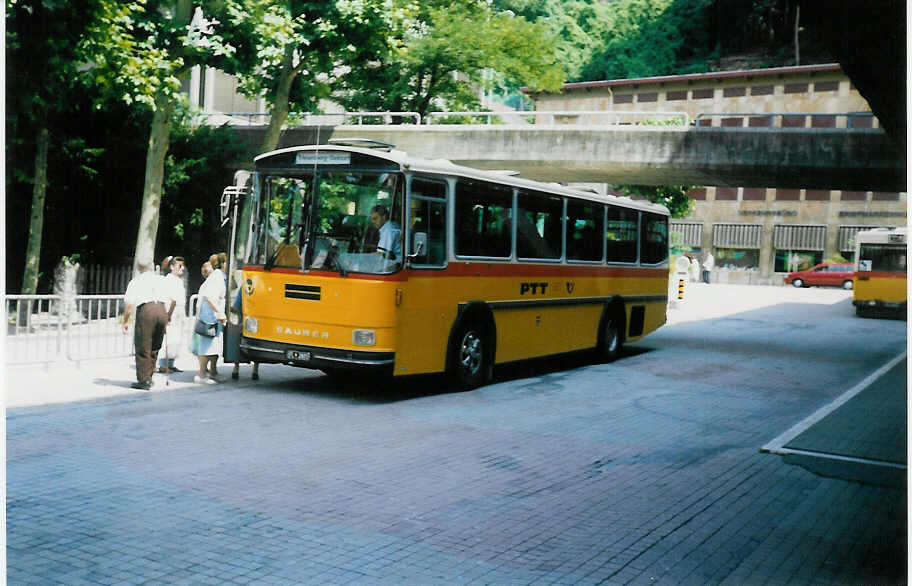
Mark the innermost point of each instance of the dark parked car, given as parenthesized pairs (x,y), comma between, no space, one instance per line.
(835,275)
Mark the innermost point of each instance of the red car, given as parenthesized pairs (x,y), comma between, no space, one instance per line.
(835,275)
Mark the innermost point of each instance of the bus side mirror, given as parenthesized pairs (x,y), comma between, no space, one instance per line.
(230,195)
(418,245)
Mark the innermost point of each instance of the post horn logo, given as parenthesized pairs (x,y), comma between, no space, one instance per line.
(569,287)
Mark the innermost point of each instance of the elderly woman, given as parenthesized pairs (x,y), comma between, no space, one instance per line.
(211,311)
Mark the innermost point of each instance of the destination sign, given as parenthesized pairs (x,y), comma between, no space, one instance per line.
(326,158)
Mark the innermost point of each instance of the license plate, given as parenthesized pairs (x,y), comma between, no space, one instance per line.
(297,355)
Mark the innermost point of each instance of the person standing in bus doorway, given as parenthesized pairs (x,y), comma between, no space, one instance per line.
(145,295)
(173,270)
(708,264)
(389,245)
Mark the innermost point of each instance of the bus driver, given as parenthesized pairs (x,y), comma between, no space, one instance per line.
(389,245)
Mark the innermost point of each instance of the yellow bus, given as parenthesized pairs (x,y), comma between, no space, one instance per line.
(880,272)
(356,256)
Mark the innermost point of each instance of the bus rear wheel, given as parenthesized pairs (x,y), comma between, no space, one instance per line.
(471,357)
(610,341)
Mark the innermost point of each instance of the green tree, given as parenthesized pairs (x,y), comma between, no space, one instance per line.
(141,51)
(673,197)
(41,40)
(293,49)
(437,52)
(624,38)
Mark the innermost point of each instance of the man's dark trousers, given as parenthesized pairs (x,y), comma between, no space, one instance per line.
(151,320)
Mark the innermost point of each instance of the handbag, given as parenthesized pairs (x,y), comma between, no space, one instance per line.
(204,329)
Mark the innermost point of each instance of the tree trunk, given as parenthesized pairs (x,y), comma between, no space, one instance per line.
(36,221)
(159,137)
(280,105)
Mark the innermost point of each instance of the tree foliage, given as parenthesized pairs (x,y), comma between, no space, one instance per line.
(437,52)
(673,197)
(624,38)
(291,50)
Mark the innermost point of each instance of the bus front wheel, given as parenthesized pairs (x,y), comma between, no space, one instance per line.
(471,362)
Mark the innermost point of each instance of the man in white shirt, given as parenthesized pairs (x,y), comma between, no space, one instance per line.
(144,295)
(173,271)
(390,245)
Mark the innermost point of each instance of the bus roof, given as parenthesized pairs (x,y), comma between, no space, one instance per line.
(882,236)
(446,167)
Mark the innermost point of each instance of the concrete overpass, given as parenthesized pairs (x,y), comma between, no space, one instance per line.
(813,158)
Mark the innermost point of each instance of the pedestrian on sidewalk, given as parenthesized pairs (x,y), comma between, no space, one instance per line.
(145,295)
(211,311)
(708,264)
(173,271)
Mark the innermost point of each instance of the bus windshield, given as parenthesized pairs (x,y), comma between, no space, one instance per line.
(884,258)
(354,225)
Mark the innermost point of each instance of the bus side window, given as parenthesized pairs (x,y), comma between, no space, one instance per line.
(483,219)
(584,231)
(427,215)
(538,226)
(621,234)
(654,239)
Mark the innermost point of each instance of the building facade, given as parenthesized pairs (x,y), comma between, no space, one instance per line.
(756,234)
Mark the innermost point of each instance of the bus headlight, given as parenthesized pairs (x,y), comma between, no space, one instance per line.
(364,338)
(251,325)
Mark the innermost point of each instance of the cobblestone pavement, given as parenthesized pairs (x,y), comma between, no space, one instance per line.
(643,471)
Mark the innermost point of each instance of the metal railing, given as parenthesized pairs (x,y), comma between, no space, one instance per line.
(759,120)
(340,118)
(540,118)
(46,329)
(566,117)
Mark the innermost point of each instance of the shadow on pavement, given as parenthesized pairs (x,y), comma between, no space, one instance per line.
(379,390)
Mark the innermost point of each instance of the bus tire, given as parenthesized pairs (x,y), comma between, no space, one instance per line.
(471,355)
(611,335)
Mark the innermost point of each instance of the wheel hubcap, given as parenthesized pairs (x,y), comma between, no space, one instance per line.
(470,352)
(611,335)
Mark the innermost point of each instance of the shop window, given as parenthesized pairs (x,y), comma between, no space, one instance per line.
(796,88)
(762,90)
(623,98)
(673,96)
(826,86)
(702,94)
(697,194)
(733,92)
(647,97)
(538,226)
(817,195)
(788,261)
(584,229)
(738,258)
(726,194)
(754,194)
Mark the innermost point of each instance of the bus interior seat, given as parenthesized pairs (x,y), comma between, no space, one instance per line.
(288,256)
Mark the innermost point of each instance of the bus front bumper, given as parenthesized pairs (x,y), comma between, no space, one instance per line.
(878,304)
(317,357)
